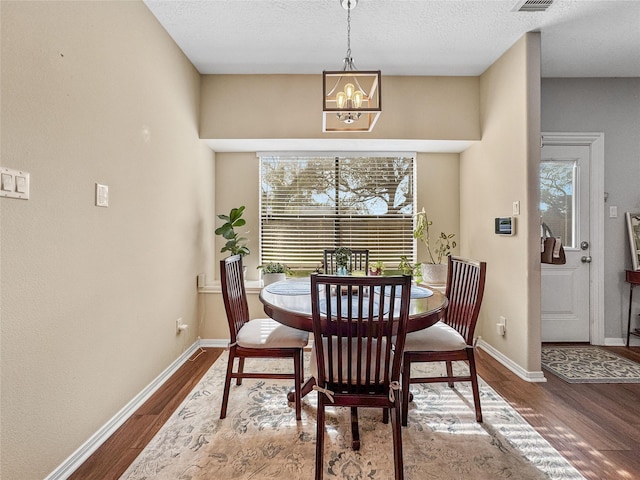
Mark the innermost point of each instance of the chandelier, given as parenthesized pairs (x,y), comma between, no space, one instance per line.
(352,99)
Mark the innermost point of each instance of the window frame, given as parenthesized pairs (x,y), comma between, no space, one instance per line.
(390,256)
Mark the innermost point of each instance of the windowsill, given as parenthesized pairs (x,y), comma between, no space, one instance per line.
(252,287)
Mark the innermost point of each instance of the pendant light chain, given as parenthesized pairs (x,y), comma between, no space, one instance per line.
(349,31)
(345,96)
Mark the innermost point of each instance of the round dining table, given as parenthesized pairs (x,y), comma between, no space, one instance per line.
(289,302)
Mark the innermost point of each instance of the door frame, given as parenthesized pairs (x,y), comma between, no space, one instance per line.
(595,142)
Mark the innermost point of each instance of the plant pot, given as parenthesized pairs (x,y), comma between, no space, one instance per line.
(434,273)
(269,278)
(342,271)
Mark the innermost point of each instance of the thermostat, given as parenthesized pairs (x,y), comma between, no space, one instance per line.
(505,226)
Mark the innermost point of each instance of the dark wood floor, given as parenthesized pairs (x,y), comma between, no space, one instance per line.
(116,454)
(595,426)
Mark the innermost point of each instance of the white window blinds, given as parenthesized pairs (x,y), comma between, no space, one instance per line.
(309,203)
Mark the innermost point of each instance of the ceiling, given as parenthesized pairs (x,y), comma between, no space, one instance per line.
(580,38)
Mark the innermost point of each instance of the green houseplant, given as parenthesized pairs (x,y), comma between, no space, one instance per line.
(405,266)
(274,267)
(273,272)
(235,243)
(377,268)
(433,271)
(343,258)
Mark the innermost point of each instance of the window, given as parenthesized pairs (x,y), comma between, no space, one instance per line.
(557,203)
(309,203)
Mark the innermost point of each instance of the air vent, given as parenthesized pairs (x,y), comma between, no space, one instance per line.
(533,6)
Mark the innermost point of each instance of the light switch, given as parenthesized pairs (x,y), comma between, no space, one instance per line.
(102,195)
(7,182)
(516,208)
(21,184)
(14,184)
(613,211)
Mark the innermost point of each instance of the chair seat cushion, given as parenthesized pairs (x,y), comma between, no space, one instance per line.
(439,337)
(267,333)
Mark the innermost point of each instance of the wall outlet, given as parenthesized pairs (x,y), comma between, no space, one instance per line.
(501,326)
(180,326)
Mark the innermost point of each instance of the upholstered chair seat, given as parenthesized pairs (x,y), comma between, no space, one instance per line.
(267,333)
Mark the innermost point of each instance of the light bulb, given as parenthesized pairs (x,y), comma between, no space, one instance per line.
(357,99)
(348,90)
(341,99)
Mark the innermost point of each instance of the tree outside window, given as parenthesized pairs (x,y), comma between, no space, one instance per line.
(312,203)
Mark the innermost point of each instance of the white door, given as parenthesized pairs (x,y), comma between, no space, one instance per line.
(564,209)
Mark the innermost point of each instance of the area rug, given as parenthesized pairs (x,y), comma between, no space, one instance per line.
(260,438)
(588,364)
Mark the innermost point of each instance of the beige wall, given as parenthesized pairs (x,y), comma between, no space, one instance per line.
(98,92)
(237,183)
(214,320)
(280,106)
(494,173)
(462,197)
(438,191)
(94,92)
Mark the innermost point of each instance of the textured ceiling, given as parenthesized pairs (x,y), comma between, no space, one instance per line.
(580,38)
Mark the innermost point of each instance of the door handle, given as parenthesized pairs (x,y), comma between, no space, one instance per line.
(586,259)
(584,245)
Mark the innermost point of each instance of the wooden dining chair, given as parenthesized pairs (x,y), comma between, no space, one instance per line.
(261,338)
(357,332)
(452,338)
(359,260)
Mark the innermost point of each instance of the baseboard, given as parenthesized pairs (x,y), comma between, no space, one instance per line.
(78,457)
(615,342)
(511,365)
(214,343)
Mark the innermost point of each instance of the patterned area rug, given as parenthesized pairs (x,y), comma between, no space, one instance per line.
(260,438)
(587,364)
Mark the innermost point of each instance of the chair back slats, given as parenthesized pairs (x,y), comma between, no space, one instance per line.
(358,323)
(234,294)
(359,260)
(465,289)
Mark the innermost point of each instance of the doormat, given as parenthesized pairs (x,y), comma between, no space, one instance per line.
(589,364)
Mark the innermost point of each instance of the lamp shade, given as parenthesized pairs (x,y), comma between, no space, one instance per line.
(352,100)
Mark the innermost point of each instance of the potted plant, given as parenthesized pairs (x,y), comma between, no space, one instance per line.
(405,266)
(235,243)
(417,272)
(273,272)
(343,259)
(433,271)
(377,268)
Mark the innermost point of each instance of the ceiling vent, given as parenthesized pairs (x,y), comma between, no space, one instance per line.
(532,5)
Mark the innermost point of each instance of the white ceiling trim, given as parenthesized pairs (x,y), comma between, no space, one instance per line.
(340,145)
